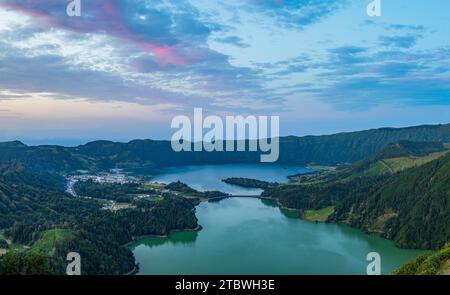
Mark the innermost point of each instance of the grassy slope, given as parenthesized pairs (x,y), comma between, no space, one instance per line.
(393,159)
(318,215)
(437,263)
(403,163)
(409,206)
(50,238)
(395,165)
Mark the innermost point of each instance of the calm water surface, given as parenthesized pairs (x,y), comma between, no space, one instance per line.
(209,177)
(252,236)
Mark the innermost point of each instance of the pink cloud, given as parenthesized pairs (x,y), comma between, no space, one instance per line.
(104,18)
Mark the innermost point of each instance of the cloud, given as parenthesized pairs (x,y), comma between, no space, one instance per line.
(296,13)
(154,28)
(399,41)
(7,95)
(417,28)
(396,26)
(123,52)
(233,40)
(360,79)
(153,52)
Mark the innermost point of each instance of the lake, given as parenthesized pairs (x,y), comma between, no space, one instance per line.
(254,236)
(209,177)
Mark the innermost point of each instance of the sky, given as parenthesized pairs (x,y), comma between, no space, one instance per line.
(123,69)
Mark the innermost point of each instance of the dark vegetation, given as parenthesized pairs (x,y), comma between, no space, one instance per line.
(24,263)
(249,183)
(412,207)
(428,264)
(31,206)
(110,191)
(186,190)
(324,150)
(3,244)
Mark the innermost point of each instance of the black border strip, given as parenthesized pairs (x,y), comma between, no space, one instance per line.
(166,284)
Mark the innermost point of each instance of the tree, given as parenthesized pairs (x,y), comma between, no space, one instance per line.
(10,264)
(37,264)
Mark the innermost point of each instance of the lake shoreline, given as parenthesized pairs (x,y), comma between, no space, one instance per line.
(137,239)
(248,211)
(164,236)
(211,178)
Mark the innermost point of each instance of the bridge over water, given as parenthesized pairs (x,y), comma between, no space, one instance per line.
(233,196)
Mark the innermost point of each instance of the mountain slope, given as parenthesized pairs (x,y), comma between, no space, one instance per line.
(394,158)
(354,146)
(428,264)
(327,150)
(36,212)
(41,158)
(411,207)
(35,200)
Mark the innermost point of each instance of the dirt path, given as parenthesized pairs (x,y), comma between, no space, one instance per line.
(387,166)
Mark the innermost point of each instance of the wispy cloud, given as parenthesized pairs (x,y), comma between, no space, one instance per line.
(226,56)
(296,13)
(407,41)
(145,53)
(233,40)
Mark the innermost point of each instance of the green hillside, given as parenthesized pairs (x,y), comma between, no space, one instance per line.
(394,158)
(391,182)
(46,223)
(324,150)
(355,146)
(428,264)
(412,206)
(42,158)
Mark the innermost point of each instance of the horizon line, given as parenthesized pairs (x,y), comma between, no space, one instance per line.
(87,141)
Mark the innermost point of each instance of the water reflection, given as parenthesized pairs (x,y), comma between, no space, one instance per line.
(253,236)
(176,238)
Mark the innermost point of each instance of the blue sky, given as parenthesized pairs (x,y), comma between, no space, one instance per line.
(124,68)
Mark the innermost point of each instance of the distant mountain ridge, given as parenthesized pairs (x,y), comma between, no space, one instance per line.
(351,147)
(399,190)
(394,158)
(333,149)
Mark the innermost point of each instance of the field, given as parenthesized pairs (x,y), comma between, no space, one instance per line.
(318,215)
(400,164)
(50,238)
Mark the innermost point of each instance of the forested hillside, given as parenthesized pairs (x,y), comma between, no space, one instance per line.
(327,150)
(394,158)
(41,158)
(411,206)
(395,187)
(354,146)
(44,224)
(437,263)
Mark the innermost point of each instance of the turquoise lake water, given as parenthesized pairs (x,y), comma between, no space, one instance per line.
(253,236)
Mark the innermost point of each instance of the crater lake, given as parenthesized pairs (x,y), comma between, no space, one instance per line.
(255,236)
